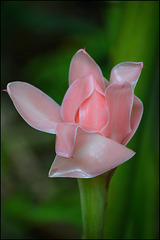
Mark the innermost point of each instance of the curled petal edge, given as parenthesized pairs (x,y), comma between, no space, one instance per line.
(126,71)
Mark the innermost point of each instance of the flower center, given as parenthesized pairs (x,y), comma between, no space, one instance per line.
(93,112)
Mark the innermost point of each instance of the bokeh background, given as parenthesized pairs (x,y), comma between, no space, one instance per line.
(38,40)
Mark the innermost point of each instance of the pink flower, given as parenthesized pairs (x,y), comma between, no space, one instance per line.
(96,120)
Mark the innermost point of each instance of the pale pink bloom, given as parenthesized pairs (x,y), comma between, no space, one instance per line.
(96,120)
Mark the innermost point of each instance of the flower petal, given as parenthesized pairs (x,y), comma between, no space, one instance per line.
(79,90)
(35,107)
(93,155)
(65,138)
(126,71)
(82,64)
(119,98)
(136,115)
(93,111)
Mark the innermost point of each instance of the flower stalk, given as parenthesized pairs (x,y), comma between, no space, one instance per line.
(93,196)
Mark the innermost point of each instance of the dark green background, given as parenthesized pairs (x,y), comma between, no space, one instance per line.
(39,39)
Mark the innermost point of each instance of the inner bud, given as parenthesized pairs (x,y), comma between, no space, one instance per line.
(93,112)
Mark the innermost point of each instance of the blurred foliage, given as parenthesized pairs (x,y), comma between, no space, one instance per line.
(38,40)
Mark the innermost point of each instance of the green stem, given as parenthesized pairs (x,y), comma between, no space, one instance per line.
(93,195)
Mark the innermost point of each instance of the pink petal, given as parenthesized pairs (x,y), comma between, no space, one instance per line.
(82,64)
(34,106)
(126,71)
(136,116)
(79,90)
(65,139)
(93,155)
(93,111)
(66,135)
(119,98)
